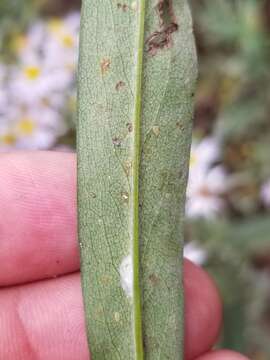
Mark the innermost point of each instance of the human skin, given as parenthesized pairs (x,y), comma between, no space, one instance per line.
(41,309)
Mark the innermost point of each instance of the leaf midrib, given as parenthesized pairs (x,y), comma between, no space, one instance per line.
(137,313)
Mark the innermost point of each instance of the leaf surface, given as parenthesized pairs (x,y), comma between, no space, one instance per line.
(136,86)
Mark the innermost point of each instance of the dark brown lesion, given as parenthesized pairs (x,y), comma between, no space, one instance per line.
(117,141)
(165,12)
(119,85)
(162,38)
(129,127)
(154,280)
(123,7)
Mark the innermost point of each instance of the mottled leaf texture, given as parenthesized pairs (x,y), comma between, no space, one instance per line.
(137,76)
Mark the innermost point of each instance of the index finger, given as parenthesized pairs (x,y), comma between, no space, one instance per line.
(37,216)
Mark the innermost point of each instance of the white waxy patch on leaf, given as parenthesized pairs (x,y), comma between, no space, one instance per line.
(126,275)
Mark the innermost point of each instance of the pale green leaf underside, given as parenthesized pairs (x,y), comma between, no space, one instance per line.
(136,82)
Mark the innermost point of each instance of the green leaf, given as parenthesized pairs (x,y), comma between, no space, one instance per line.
(136,86)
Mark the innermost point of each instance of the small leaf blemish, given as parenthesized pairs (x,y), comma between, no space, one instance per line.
(117,316)
(134,6)
(127,167)
(105,65)
(116,141)
(162,38)
(129,127)
(153,279)
(156,130)
(123,7)
(126,275)
(179,125)
(125,196)
(119,85)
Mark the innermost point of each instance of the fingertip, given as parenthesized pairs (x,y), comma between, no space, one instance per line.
(43,320)
(203,311)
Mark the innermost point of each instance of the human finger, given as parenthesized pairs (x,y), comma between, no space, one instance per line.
(46,319)
(37,216)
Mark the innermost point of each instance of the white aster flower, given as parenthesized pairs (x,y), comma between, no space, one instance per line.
(204,193)
(31,129)
(72,21)
(204,153)
(206,183)
(62,46)
(265,193)
(201,206)
(194,252)
(3,91)
(34,92)
(31,42)
(64,32)
(34,82)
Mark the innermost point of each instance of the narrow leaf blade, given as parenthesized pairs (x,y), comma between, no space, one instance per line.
(136,82)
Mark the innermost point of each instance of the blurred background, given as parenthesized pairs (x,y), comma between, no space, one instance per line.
(228,197)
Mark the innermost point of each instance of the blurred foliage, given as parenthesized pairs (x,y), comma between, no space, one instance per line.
(14,16)
(233,104)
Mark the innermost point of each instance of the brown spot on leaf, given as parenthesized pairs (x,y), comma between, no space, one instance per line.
(119,85)
(165,12)
(129,127)
(179,125)
(162,38)
(154,279)
(123,7)
(105,65)
(116,141)
(156,130)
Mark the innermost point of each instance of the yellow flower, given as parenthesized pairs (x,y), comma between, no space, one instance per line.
(67,40)
(8,139)
(55,25)
(58,28)
(32,72)
(26,126)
